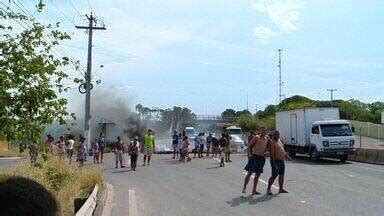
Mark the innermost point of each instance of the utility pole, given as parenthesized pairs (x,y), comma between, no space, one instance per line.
(280,81)
(331,90)
(87,86)
(247,102)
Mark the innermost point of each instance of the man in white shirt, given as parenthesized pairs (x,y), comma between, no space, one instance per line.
(69,147)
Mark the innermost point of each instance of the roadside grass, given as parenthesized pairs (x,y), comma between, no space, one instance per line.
(64,181)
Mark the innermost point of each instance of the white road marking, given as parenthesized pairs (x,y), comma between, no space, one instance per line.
(132,203)
(303,201)
(109,200)
(262,181)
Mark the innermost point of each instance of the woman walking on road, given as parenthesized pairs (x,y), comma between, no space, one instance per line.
(133,150)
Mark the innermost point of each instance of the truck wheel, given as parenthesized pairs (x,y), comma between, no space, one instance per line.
(313,155)
(292,153)
(343,158)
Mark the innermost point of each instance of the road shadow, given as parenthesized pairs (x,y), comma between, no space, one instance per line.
(263,198)
(121,171)
(250,199)
(173,162)
(215,167)
(239,200)
(322,161)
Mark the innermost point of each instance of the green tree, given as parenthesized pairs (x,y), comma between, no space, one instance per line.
(228,113)
(243,112)
(29,76)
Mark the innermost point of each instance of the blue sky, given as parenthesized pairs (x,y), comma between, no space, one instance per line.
(209,54)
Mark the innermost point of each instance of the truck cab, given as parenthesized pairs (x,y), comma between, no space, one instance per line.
(236,134)
(331,138)
(190,132)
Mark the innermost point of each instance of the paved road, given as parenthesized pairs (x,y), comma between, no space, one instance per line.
(6,163)
(200,187)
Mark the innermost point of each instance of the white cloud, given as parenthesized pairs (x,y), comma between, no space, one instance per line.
(283,13)
(264,34)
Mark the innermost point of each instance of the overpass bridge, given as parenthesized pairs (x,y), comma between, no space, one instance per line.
(213,119)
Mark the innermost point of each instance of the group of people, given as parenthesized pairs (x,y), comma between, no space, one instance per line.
(259,147)
(180,145)
(66,146)
(62,145)
(147,147)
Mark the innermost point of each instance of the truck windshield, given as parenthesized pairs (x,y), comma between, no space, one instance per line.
(234,131)
(190,131)
(329,130)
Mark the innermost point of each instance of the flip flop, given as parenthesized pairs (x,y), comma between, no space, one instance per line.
(283,191)
(270,193)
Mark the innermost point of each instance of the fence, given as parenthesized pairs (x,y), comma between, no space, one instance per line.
(369,135)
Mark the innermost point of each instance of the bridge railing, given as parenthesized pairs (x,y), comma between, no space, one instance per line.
(215,118)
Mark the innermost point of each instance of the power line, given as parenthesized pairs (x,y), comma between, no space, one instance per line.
(90,5)
(59,49)
(60,11)
(54,47)
(73,6)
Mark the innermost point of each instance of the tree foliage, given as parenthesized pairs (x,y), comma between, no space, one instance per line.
(228,113)
(350,109)
(170,118)
(29,76)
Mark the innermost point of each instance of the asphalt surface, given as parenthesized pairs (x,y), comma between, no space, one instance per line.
(200,187)
(6,163)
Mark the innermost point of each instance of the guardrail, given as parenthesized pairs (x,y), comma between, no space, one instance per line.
(89,206)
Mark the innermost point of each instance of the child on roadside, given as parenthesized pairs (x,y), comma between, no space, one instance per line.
(96,151)
(186,149)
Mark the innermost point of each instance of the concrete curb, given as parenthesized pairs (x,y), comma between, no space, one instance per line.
(89,205)
(10,158)
(374,156)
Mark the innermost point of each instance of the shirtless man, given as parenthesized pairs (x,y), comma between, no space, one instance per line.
(278,155)
(256,161)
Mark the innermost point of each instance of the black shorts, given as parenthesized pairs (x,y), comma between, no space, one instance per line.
(255,164)
(278,167)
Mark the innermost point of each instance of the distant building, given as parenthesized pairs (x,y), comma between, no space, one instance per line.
(110,130)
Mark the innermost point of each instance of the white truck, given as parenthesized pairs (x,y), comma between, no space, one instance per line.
(236,134)
(318,132)
(190,132)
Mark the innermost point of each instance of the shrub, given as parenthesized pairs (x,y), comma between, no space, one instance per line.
(65,182)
